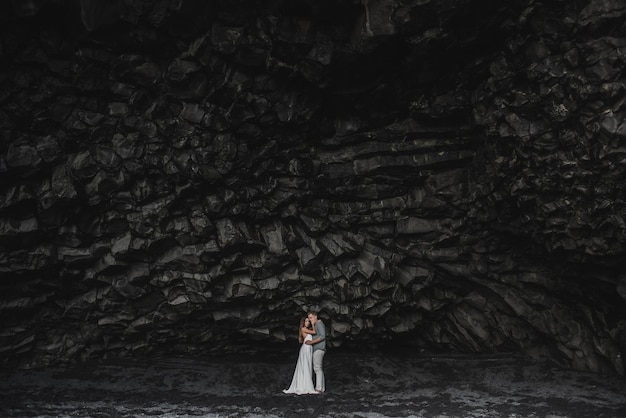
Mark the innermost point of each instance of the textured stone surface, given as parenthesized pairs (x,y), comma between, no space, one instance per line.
(189,177)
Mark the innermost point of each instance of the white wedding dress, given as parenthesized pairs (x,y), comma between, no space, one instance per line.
(302,382)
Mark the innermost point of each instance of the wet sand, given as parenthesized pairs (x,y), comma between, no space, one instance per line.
(359,384)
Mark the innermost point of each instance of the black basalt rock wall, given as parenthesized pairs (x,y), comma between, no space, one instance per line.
(189,176)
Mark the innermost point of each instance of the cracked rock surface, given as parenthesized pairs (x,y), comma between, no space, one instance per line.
(186,177)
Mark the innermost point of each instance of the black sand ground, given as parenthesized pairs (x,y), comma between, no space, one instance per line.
(358,385)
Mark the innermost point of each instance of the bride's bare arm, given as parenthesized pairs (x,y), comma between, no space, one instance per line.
(306,330)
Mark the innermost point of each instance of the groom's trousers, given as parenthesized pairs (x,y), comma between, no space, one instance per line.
(318,361)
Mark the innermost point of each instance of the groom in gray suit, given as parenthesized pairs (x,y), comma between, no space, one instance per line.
(319,349)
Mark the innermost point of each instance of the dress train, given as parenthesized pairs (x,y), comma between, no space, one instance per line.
(302,381)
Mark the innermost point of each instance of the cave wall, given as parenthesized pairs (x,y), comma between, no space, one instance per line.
(188,176)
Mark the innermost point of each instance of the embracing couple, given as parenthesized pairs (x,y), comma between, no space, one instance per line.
(312,336)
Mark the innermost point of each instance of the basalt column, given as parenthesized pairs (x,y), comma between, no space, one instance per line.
(182,176)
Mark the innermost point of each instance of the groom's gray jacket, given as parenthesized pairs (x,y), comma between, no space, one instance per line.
(320,332)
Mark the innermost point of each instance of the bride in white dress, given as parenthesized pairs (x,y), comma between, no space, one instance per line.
(302,381)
